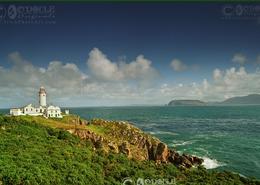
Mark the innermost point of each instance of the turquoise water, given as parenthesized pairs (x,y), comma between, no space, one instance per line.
(227,137)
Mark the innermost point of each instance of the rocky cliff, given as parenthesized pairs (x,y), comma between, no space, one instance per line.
(122,137)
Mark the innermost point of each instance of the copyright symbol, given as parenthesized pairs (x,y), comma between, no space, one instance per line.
(228,10)
(239,10)
(12,12)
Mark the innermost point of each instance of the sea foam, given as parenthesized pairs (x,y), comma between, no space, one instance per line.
(211,163)
(184,143)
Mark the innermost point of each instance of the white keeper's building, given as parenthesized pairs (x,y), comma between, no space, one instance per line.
(43,109)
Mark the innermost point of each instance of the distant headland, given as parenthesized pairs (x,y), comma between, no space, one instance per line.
(251,99)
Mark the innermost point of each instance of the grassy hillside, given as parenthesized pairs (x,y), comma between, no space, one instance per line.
(44,153)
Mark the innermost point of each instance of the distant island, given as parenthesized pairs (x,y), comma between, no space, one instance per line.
(186,103)
(251,99)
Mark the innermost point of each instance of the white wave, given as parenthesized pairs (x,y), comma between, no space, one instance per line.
(211,163)
(163,133)
(182,143)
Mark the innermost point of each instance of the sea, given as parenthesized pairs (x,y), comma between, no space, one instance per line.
(226,137)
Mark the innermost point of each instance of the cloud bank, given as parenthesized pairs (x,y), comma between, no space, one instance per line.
(107,82)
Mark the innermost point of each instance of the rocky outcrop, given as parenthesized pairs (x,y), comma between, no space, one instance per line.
(125,149)
(113,147)
(165,155)
(161,153)
(98,141)
(122,137)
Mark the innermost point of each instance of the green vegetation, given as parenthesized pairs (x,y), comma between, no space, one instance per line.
(33,153)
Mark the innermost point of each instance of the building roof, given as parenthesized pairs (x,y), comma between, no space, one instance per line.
(53,107)
(42,90)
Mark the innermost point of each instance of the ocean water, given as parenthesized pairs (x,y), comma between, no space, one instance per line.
(227,137)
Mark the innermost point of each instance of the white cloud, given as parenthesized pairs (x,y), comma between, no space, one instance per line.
(101,67)
(140,68)
(236,82)
(104,69)
(228,83)
(180,85)
(217,74)
(178,65)
(239,58)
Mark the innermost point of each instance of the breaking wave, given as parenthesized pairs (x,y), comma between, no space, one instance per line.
(211,163)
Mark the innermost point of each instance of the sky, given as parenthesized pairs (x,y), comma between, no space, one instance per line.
(117,54)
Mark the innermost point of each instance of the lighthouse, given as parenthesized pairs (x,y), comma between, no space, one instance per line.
(42,110)
(42,97)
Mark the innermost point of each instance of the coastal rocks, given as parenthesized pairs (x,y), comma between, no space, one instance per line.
(113,147)
(173,157)
(186,161)
(122,137)
(83,122)
(97,140)
(98,143)
(193,159)
(141,141)
(125,149)
(161,152)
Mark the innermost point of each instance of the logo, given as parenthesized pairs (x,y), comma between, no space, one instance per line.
(2,12)
(27,14)
(12,12)
(128,181)
(239,10)
(228,10)
(140,181)
(147,181)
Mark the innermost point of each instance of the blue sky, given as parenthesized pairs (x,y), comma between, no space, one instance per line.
(197,35)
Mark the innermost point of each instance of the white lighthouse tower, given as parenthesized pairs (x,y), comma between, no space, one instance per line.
(42,97)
